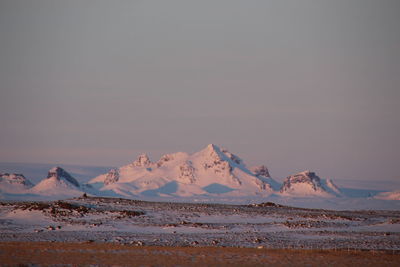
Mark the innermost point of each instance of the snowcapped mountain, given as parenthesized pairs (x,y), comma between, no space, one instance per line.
(392,195)
(262,173)
(211,171)
(306,183)
(58,182)
(14,183)
(212,175)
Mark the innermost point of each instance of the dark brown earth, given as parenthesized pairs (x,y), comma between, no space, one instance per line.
(106,254)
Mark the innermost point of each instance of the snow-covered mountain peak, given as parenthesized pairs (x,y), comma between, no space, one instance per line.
(212,170)
(58,183)
(59,174)
(174,157)
(15,178)
(218,161)
(142,161)
(306,173)
(304,177)
(213,153)
(307,183)
(212,147)
(14,183)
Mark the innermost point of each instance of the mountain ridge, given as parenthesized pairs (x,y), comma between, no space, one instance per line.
(209,174)
(189,174)
(307,183)
(231,177)
(57,182)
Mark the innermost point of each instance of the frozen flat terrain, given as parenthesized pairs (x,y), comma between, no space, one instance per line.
(187,224)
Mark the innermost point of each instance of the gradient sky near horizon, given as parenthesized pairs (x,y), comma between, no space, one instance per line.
(291,84)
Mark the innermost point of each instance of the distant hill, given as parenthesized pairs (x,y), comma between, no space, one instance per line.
(211,171)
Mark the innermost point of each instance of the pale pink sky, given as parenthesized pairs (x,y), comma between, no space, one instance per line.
(291,84)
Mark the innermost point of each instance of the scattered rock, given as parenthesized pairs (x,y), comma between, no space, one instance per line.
(214,242)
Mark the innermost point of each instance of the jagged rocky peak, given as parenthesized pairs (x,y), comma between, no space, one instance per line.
(211,155)
(112,177)
(142,161)
(164,159)
(15,178)
(167,157)
(215,153)
(219,161)
(59,173)
(212,147)
(305,177)
(212,151)
(218,165)
(187,172)
(261,170)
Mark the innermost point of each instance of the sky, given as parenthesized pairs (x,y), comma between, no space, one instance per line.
(294,85)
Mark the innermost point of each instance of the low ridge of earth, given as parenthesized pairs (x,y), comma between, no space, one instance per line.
(141,223)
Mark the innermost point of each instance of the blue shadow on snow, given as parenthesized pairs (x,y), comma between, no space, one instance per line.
(168,188)
(217,189)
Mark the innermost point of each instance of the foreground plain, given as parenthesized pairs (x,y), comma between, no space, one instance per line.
(141,223)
